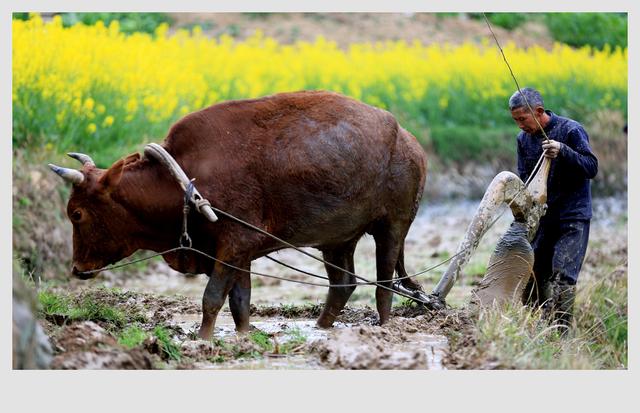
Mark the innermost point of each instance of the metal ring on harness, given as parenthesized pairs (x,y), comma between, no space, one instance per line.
(185,239)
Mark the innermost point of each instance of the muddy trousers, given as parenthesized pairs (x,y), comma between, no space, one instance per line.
(559,248)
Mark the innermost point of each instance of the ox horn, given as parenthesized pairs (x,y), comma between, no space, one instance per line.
(84,159)
(71,175)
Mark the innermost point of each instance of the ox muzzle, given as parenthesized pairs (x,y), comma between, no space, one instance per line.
(84,275)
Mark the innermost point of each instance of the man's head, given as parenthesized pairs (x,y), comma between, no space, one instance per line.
(521,113)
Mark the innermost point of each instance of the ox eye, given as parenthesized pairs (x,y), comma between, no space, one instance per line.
(76,215)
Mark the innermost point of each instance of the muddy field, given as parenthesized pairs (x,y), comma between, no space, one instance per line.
(284,335)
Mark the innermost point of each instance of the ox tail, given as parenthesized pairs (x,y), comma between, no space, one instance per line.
(402,272)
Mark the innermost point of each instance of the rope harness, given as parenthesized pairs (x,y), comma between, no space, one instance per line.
(186,244)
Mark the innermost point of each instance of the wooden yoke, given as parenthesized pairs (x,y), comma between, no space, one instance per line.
(157,152)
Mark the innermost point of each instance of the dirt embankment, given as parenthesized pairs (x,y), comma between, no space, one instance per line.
(348,28)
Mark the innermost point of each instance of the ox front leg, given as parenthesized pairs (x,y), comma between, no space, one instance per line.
(220,283)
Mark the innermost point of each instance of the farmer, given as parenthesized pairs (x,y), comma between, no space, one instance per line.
(561,241)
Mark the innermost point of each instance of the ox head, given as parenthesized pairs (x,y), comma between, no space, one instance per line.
(100,222)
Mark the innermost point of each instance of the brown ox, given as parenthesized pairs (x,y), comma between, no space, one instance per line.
(316,169)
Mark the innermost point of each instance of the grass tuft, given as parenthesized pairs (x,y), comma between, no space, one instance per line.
(53,304)
(132,336)
(97,311)
(167,346)
(519,337)
(262,339)
(296,339)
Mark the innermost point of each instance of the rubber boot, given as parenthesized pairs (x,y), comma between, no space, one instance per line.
(546,298)
(538,292)
(564,297)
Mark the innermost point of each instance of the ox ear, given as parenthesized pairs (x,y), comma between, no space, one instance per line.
(111,177)
(134,157)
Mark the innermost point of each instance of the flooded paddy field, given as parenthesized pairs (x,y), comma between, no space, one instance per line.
(158,310)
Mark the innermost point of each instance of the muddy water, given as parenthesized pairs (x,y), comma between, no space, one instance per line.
(348,347)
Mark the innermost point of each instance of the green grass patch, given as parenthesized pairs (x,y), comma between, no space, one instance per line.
(53,304)
(518,337)
(97,311)
(167,346)
(599,30)
(296,338)
(575,29)
(262,339)
(128,22)
(602,321)
(93,306)
(132,336)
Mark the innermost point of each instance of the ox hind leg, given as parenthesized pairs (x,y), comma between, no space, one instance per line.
(240,300)
(389,238)
(337,297)
(221,282)
(407,282)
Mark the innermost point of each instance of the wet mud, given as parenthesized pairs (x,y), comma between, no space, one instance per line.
(86,345)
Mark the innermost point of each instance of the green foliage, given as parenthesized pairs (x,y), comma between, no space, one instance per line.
(97,311)
(167,346)
(296,338)
(129,22)
(20,16)
(509,21)
(53,304)
(207,25)
(88,307)
(306,309)
(132,336)
(445,15)
(519,337)
(233,30)
(258,15)
(262,339)
(594,29)
(406,303)
(603,319)
(574,29)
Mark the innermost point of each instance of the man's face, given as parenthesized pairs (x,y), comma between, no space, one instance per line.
(525,121)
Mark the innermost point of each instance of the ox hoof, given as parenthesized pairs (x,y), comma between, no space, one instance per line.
(383,321)
(204,334)
(324,324)
(245,329)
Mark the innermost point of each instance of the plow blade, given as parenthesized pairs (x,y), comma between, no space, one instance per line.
(511,264)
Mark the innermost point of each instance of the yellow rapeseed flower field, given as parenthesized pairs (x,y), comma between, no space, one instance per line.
(91,86)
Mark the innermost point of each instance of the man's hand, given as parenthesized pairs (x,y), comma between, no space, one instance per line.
(551,148)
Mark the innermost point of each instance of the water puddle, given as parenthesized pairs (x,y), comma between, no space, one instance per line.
(346,343)
(434,348)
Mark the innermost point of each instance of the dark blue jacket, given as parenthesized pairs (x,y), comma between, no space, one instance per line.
(569,185)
